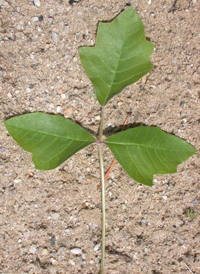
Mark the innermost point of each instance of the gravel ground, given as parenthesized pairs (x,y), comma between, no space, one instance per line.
(50,222)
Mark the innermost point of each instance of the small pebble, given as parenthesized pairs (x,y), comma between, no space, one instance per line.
(37,3)
(65,30)
(165,197)
(58,109)
(34,19)
(63,96)
(135,256)
(61,91)
(144,222)
(44,252)
(50,19)
(32,249)
(68,112)
(84,161)
(80,261)
(97,247)
(9,95)
(31,174)
(122,234)
(55,37)
(188,256)
(47,46)
(83,256)
(71,262)
(41,18)
(26,234)
(123,206)
(98,117)
(144,79)
(32,55)
(71,2)
(17,181)
(53,241)
(120,103)
(28,90)
(53,261)
(55,216)
(195,202)
(67,56)
(141,87)
(76,251)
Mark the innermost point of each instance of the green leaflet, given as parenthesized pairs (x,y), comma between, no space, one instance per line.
(144,151)
(120,56)
(51,139)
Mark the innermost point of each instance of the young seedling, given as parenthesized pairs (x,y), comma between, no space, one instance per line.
(119,58)
(190,213)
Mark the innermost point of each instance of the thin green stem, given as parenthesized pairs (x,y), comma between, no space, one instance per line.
(101,127)
(102,193)
(103,209)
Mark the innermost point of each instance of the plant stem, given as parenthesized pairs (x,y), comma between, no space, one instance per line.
(101,127)
(102,193)
(103,209)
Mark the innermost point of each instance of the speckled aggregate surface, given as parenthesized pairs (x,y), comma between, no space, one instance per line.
(50,222)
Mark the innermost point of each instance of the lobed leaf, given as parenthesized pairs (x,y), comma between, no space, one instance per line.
(145,151)
(51,139)
(120,56)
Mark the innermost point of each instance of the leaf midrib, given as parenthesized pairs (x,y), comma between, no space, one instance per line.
(53,135)
(60,152)
(114,74)
(117,65)
(139,145)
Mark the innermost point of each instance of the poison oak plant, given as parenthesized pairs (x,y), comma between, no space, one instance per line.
(119,58)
